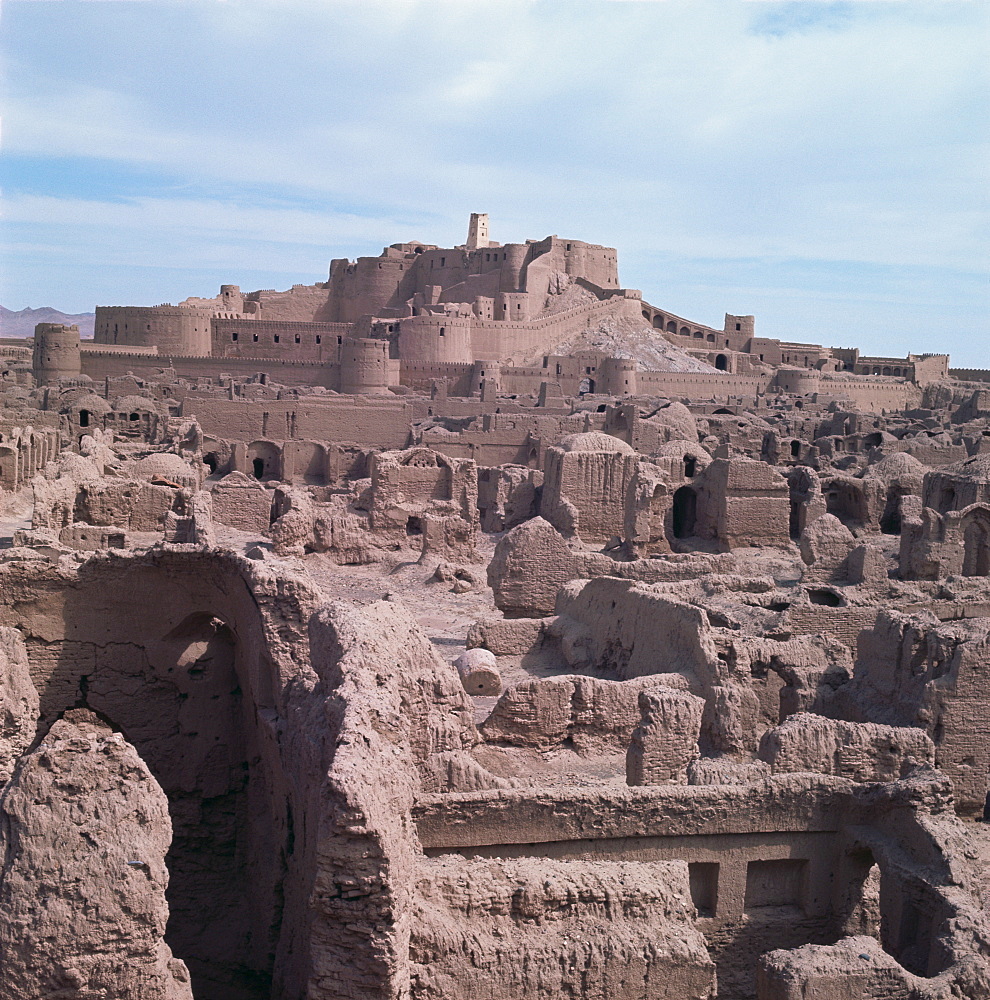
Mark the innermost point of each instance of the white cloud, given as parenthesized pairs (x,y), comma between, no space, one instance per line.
(716,130)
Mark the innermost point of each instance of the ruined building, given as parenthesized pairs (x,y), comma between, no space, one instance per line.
(466,628)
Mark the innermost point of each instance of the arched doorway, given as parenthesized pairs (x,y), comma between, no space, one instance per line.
(890,519)
(976,543)
(658,510)
(265,459)
(685,512)
(722,363)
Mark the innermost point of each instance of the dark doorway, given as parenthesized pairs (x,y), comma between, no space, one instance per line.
(795,449)
(794,521)
(976,543)
(685,512)
(722,363)
(259,468)
(825,598)
(84,418)
(890,520)
(210,461)
(690,465)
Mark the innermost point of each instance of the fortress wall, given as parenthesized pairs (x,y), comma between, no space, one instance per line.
(444,266)
(474,286)
(299,304)
(348,419)
(598,264)
(296,341)
(875,396)
(99,365)
(970,374)
(665,318)
(419,375)
(174,329)
(368,286)
(88,347)
(701,385)
(525,381)
(510,342)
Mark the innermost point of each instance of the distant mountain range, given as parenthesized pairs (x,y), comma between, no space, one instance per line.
(22,323)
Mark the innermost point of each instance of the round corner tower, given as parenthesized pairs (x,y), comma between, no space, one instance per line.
(364,365)
(56,352)
(618,377)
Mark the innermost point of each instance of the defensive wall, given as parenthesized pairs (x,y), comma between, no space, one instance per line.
(683,332)
(381,422)
(920,368)
(458,304)
(172,329)
(970,374)
(100,365)
(873,395)
(430,275)
(258,338)
(425,338)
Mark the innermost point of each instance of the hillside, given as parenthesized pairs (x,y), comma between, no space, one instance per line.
(22,322)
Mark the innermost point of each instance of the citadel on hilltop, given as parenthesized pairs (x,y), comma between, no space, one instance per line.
(467,628)
(419,312)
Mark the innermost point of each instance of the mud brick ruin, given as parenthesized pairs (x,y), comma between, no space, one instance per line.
(465,627)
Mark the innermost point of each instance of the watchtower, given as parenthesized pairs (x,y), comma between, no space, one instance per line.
(56,352)
(477,231)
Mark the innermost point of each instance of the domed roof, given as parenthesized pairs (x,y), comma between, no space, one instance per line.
(595,441)
(680,446)
(164,464)
(86,401)
(977,467)
(77,467)
(126,403)
(899,463)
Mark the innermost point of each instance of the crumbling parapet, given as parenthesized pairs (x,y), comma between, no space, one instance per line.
(666,740)
(860,751)
(88,537)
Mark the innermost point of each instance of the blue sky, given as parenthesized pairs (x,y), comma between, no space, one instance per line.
(821,165)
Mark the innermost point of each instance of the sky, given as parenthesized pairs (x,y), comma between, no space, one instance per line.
(823,166)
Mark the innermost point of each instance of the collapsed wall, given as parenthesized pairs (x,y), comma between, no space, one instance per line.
(195,658)
(82,888)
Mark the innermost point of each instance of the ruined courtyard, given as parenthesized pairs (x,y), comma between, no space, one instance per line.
(465,627)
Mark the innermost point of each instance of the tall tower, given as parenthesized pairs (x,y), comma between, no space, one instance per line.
(477,231)
(56,352)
